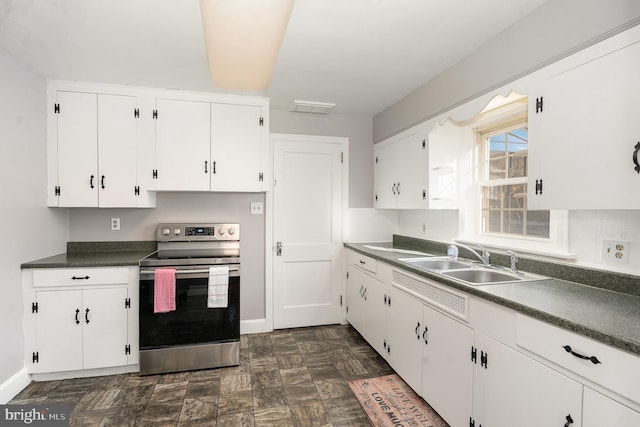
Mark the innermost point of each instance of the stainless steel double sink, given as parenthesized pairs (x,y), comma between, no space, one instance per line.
(469,272)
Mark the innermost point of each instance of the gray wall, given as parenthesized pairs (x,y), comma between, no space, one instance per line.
(356,128)
(29,229)
(89,225)
(556,29)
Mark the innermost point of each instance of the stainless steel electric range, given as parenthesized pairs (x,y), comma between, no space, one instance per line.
(193,336)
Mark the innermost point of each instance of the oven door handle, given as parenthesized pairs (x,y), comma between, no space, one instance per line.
(200,271)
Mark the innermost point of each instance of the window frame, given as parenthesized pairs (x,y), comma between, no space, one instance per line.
(510,116)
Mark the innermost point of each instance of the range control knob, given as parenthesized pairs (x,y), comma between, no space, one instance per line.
(221,231)
(177,231)
(166,231)
(231,231)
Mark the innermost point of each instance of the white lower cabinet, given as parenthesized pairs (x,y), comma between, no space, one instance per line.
(447,375)
(367,307)
(599,410)
(511,389)
(79,319)
(80,329)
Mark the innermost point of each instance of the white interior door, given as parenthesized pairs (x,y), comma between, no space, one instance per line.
(308,204)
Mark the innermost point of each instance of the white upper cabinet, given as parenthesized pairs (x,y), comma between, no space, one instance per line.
(183,148)
(237,152)
(210,146)
(584,135)
(93,151)
(400,171)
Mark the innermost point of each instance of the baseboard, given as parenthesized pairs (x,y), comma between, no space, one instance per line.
(254,326)
(14,385)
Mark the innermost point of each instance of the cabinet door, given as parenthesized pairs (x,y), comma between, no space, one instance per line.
(77,150)
(183,153)
(601,411)
(384,178)
(447,374)
(404,337)
(58,331)
(355,303)
(587,135)
(375,314)
(514,390)
(104,334)
(236,148)
(411,171)
(117,151)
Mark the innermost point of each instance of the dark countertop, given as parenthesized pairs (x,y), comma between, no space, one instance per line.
(606,315)
(96,254)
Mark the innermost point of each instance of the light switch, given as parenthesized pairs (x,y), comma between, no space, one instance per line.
(257,208)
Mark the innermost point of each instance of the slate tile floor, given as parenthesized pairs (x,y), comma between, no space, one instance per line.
(293,377)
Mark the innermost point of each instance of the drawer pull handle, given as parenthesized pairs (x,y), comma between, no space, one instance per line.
(80,278)
(593,359)
(569,421)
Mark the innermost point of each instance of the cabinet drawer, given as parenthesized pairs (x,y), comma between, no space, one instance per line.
(362,261)
(80,276)
(615,369)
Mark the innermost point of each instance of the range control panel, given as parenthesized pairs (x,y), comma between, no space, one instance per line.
(176,232)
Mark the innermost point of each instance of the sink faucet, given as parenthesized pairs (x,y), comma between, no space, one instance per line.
(514,261)
(485,253)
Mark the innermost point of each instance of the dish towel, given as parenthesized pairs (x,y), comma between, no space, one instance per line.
(164,290)
(218,287)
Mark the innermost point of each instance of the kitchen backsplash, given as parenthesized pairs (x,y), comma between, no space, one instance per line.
(587,229)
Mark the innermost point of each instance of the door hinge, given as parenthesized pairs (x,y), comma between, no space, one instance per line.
(136,113)
(127,349)
(56,190)
(340,300)
(261,177)
(472,423)
(539,105)
(155,114)
(136,190)
(34,307)
(35,358)
(127,303)
(483,359)
(56,108)
(474,354)
(261,121)
(154,174)
(341,157)
(424,194)
(538,186)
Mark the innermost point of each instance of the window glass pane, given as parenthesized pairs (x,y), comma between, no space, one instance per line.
(513,222)
(497,168)
(518,165)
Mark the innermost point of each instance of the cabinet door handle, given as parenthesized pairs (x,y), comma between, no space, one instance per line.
(398,188)
(206,163)
(77,312)
(80,278)
(416,331)
(91,181)
(86,316)
(393,188)
(635,157)
(102,182)
(569,421)
(424,335)
(593,359)
(214,168)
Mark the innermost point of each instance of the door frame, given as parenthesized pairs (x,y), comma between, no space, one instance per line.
(269,218)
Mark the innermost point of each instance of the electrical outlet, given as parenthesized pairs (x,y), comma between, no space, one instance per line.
(257,208)
(115,224)
(615,251)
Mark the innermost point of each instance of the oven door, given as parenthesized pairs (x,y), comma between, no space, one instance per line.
(192,322)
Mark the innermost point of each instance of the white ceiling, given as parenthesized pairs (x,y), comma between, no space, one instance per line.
(363,55)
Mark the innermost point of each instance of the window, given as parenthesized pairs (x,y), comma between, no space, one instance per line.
(503,187)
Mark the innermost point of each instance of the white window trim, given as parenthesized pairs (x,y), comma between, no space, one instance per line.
(556,246)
